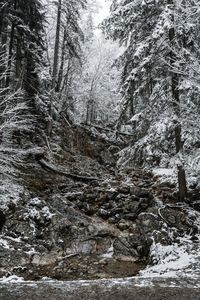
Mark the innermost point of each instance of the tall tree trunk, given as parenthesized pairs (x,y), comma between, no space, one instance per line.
(2,18)
(11,45)
(19,69)
(56,47)
(60,73)
(3,50)
(55,66)
(182,184)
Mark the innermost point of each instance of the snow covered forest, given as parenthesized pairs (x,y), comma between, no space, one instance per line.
(99,115)
(141,76)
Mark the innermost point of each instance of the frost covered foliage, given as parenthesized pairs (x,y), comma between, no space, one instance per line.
(10,193)
(64,42)
(160,78)
(21,59)
(16,122)
(97,85)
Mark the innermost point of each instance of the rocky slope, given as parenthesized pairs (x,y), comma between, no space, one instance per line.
(102,227)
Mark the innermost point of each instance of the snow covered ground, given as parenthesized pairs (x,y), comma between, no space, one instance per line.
(179,260)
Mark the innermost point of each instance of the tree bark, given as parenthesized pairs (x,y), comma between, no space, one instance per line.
(11,49)
(182,184)
(55,67)
(56,48)
(60,73)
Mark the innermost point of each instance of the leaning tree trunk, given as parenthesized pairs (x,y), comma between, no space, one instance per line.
(61,70)
(55,67)
(182,184)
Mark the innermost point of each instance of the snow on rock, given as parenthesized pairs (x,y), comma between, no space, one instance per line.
(37,210)
(173,260)
(10,193)
(109,253)
(35,201)
(31,252)
(4,244)
(46,213)
(180,259)
(166,174)
(163,172)
(33,213)
(12,278)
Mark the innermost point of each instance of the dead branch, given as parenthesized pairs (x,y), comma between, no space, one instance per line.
(109,130)
(60,171)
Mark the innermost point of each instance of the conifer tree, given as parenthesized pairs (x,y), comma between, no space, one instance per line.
(160,39)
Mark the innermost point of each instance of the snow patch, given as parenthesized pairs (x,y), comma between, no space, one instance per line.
(180,259)
(12,278)
(46,213)
(163,172)
(109,253)
(35,201)
(10,192)
(4,244)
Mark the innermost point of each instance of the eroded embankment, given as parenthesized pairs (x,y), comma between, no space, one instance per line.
(69,228)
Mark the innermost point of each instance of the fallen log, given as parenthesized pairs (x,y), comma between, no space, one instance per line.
(60,171)
(108,130)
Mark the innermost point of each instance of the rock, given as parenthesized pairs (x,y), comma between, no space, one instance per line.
(114,149)
(149,222)
(120,197)
(196,205)
(108,206)
(117,210)
(2,220)
(136,246)
(64,225)
(123,225)
(104,214)
(134,198)
(132,206)
(143,204)
(167,184)
(177,218)
(103,262)
(114,219)
(124,189)
(130,216)
(139,192)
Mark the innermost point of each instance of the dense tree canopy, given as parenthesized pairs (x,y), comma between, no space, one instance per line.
(159,85)
(63,71)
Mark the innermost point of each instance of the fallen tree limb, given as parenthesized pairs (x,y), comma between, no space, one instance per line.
(60,171)
(109,130)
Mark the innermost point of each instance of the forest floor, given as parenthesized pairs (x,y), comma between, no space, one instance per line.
(79,217)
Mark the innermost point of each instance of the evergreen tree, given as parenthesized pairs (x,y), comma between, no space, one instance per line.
(22,47)
(160,39)
(67,56)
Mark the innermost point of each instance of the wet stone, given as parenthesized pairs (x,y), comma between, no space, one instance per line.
(124,189)
(130,216)
(123,225)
